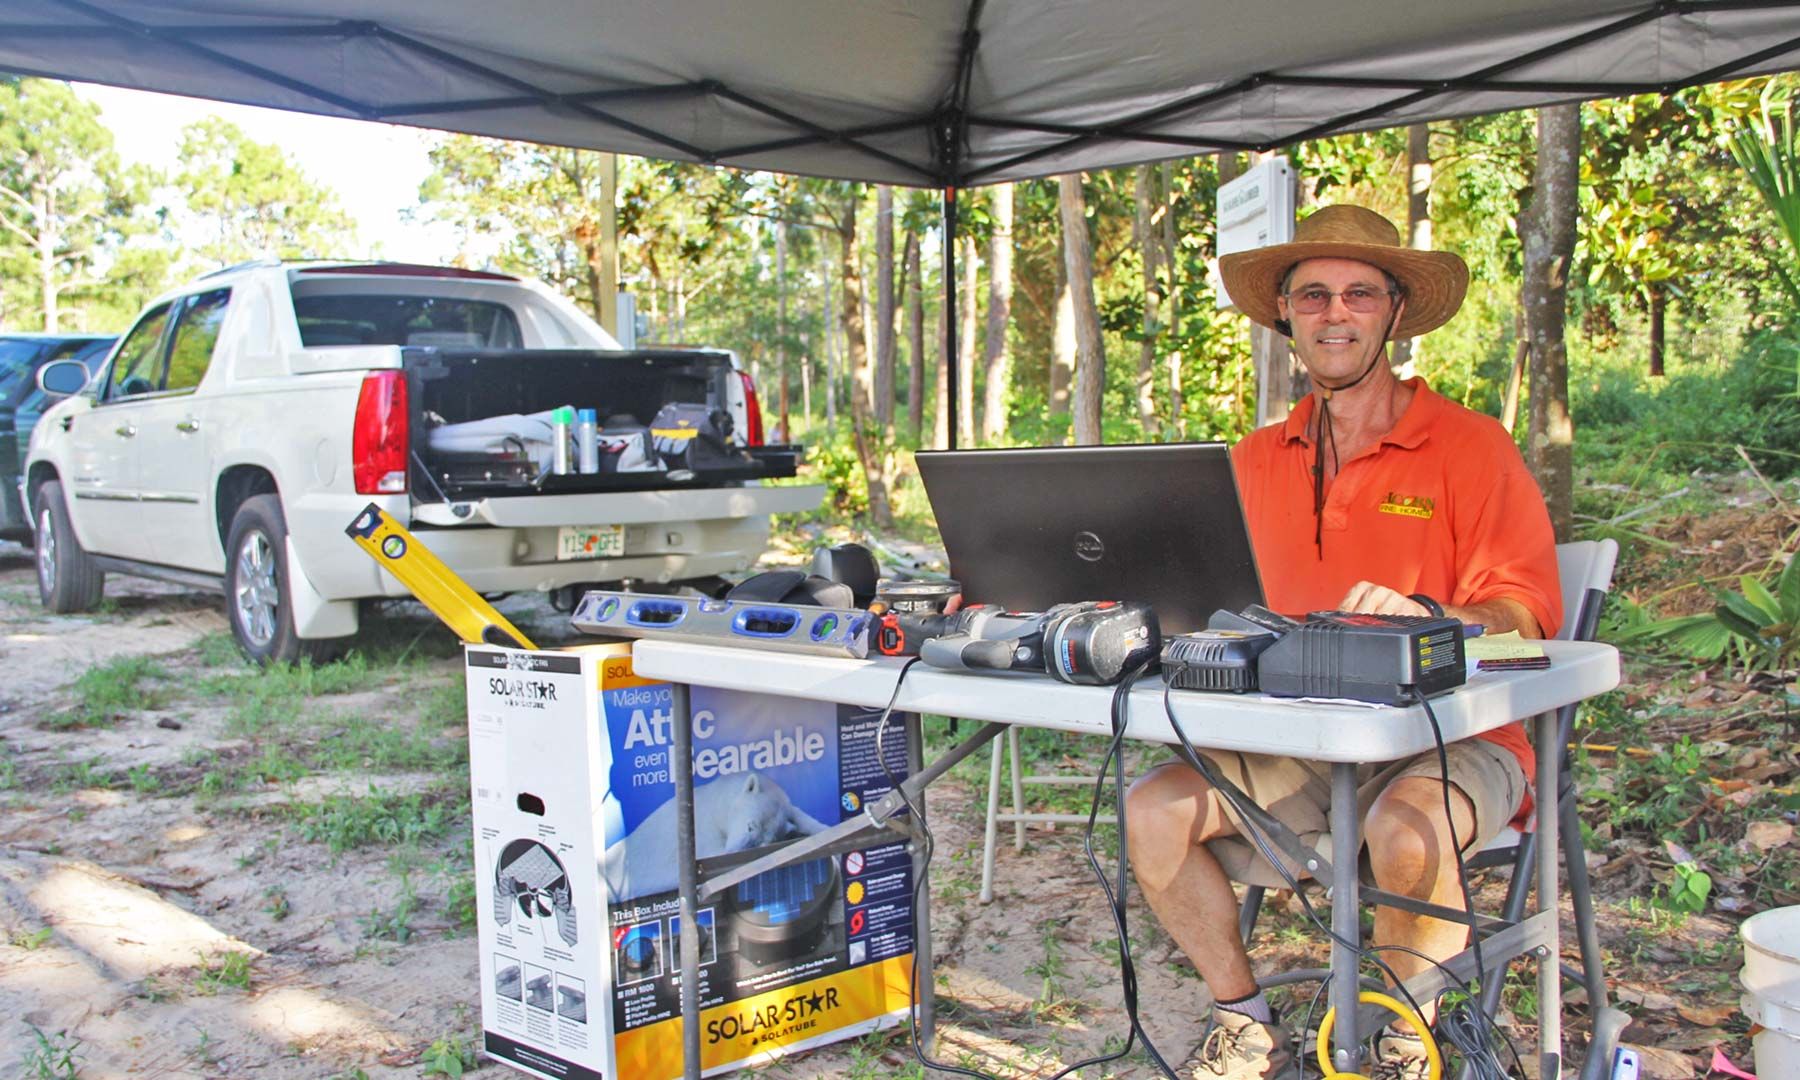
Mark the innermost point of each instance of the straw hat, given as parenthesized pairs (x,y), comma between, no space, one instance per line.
(1434,281)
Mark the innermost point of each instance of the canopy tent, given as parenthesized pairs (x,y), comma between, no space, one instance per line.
(942,93)
(920,92)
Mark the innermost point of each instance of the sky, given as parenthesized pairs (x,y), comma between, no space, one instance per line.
(375,169)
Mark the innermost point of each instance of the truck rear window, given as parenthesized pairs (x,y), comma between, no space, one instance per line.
(380,319)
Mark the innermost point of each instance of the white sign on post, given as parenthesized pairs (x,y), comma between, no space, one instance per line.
(1255,210)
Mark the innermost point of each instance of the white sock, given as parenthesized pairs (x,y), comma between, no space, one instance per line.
(1256,1007)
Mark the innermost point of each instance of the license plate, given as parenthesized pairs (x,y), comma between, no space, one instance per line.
(590,542)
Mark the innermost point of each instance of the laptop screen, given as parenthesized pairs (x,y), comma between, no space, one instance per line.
(1028,528)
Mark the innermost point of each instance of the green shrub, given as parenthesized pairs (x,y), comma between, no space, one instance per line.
(1697,417)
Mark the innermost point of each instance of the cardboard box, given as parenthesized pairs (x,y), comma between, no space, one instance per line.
(576,870)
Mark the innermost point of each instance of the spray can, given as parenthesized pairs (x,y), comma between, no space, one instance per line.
(562,419)
(587,441)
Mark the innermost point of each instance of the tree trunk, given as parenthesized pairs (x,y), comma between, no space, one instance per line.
(884,309)
(1170,263)
(970,297)
(781,343)
(806,366)
(1090,356)
(1062,346)
(999,315)
(915,335)
(1659,302)
(900,294)
(1549,243)
(1418,222)
(46,219)
(870,449)
(831,347)
(1149,244)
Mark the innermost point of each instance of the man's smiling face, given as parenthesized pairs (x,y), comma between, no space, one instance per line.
(1337,343)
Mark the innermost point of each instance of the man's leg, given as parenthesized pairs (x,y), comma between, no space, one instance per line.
(1171,812)
(1412,853)
(1411,850)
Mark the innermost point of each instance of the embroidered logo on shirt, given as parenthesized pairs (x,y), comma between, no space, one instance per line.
(1417,506)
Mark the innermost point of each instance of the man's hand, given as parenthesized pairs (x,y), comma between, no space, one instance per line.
(1498,615)
(1373,599)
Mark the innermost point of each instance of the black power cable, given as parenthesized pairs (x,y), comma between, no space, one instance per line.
(1481,1056)
(1116,899)
(1472,1034)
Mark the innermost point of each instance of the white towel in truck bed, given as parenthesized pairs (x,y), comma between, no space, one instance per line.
(511,435)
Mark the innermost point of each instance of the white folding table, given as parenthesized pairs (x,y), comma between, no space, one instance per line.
(1343,735)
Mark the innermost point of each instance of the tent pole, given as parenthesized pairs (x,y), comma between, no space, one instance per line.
(948,394)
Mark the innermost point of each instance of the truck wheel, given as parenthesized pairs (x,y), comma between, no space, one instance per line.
(257,598)
(68,580)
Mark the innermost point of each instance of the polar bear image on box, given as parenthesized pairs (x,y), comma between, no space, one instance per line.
(734,813)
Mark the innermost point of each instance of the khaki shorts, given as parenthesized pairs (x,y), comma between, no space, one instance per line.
(1298,794)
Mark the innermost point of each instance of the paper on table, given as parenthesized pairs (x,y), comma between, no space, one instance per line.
(1507,646)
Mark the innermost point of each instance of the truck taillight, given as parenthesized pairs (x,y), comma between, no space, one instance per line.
(753,429)
(378,445)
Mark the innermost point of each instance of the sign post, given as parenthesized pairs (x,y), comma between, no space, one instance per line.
(1257,210)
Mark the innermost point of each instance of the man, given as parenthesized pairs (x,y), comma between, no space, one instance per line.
(1375,495)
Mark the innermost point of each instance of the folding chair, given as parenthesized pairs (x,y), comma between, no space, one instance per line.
(1586,569)
(1019,815)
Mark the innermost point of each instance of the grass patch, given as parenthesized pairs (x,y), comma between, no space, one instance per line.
(223,970)
(108,692)
(30,939)
(79,775)
(219,650)
(344,822)
(402,633)
(388,743)
(395,923)
(450,1056)
(51,1056)
(445,705)
(869,1057)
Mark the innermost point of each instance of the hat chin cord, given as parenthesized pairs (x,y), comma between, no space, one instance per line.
(1325,435)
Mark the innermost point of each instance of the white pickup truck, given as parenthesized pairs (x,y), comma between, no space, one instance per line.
(245,419)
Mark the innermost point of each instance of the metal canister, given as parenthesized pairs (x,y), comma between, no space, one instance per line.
(562,431)
(917,597)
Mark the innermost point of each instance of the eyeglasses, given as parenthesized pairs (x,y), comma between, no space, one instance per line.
(1361,299)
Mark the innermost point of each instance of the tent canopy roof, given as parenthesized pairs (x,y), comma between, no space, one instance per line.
(917,92)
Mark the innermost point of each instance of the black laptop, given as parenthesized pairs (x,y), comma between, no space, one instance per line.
(1028,528)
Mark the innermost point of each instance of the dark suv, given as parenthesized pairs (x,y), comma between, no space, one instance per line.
(22,402)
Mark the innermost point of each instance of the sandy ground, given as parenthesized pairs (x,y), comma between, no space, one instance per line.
(122,902)
(143,892)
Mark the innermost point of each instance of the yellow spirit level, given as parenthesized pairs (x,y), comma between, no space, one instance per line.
(436,585)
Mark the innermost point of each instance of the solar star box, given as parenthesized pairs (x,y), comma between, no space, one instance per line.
(578,916)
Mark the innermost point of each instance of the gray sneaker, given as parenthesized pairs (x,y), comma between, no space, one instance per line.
(1240,1048)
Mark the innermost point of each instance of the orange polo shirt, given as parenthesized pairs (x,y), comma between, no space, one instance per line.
(1440,505)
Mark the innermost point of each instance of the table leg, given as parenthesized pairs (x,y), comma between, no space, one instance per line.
(915,762)
(991,837)
(681,766)
(1549,849)
(1346,924)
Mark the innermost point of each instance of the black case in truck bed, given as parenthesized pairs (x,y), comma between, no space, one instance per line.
(627,390)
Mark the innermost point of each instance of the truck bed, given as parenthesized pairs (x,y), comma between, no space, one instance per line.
(625,388)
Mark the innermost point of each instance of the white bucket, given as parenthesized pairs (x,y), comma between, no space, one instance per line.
(1771,979)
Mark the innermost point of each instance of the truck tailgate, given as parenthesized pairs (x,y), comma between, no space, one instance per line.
(624,507)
